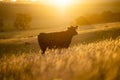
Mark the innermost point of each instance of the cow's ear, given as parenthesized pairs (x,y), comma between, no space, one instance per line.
(76,27)
(70,27)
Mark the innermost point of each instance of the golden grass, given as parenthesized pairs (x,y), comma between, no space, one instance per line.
(95,61)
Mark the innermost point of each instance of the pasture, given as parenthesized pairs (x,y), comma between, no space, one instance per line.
(94,54)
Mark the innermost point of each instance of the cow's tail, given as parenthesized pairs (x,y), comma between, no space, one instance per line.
(41,42)
(40,36)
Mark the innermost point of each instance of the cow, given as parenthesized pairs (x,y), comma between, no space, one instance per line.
(56,39)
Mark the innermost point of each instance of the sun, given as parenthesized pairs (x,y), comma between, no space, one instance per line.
(13,0)
(61,3)
(57,3)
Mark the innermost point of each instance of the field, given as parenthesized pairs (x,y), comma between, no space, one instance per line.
(94,54)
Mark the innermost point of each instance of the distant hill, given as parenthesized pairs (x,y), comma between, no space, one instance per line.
(50,16)
(8,10)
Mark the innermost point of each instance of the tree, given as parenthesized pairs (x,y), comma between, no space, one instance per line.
(22,21)
(82,21)
(1,25)
(104,17)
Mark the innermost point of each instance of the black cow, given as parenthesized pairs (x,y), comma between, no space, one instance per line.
(56,39)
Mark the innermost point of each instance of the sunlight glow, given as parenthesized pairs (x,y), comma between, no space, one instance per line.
(61,3)
(58,3)
(33,0)
(13,0)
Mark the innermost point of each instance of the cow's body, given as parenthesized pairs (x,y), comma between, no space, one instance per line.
(56,39)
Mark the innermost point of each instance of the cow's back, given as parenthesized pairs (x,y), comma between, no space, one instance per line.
(56,39)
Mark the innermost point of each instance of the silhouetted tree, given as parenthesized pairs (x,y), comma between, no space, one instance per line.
(82,21)
(22,21)
(1,25)
(104,17)
(108,16)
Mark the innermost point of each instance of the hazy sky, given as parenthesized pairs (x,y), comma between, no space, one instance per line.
(64,0)
(77,1)
(58,14)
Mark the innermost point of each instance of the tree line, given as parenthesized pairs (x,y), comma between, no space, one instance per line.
(104,17)
(22,21)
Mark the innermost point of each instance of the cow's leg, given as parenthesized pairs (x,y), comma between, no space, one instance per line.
(43,50)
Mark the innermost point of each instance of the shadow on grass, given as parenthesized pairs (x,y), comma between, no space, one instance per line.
(18,48)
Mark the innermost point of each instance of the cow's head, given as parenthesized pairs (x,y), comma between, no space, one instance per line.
(72,30)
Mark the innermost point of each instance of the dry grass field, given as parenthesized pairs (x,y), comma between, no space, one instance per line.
(97,58)
(95,61)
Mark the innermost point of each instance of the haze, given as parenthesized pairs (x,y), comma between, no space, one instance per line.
(48,13)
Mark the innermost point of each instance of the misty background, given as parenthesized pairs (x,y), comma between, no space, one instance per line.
(46,16)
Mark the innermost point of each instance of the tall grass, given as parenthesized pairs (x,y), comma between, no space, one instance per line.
(94,61)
